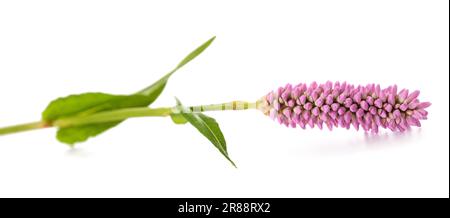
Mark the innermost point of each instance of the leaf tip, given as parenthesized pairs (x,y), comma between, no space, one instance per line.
(209,42)
(234,165)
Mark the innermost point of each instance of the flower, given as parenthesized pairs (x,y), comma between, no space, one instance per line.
(344,105)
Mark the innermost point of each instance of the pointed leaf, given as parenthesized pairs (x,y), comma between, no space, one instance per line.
(156,88)
(208,127)
(195,53)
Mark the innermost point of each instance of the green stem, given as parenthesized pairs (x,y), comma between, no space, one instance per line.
(23,127)
(112,116)
(234,105)
(123,114)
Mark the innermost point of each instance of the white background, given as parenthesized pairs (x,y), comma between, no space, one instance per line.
(55,48)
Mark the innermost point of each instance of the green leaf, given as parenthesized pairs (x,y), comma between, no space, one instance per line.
(90,103)
(208,127)
(194,53)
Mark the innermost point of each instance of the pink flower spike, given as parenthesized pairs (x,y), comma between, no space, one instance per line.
(345,105)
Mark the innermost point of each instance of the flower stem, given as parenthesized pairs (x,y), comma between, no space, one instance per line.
(24,127)
(112,116)
(234,105)
(123,114)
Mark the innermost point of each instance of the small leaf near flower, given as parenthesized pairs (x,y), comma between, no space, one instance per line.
(208,127)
